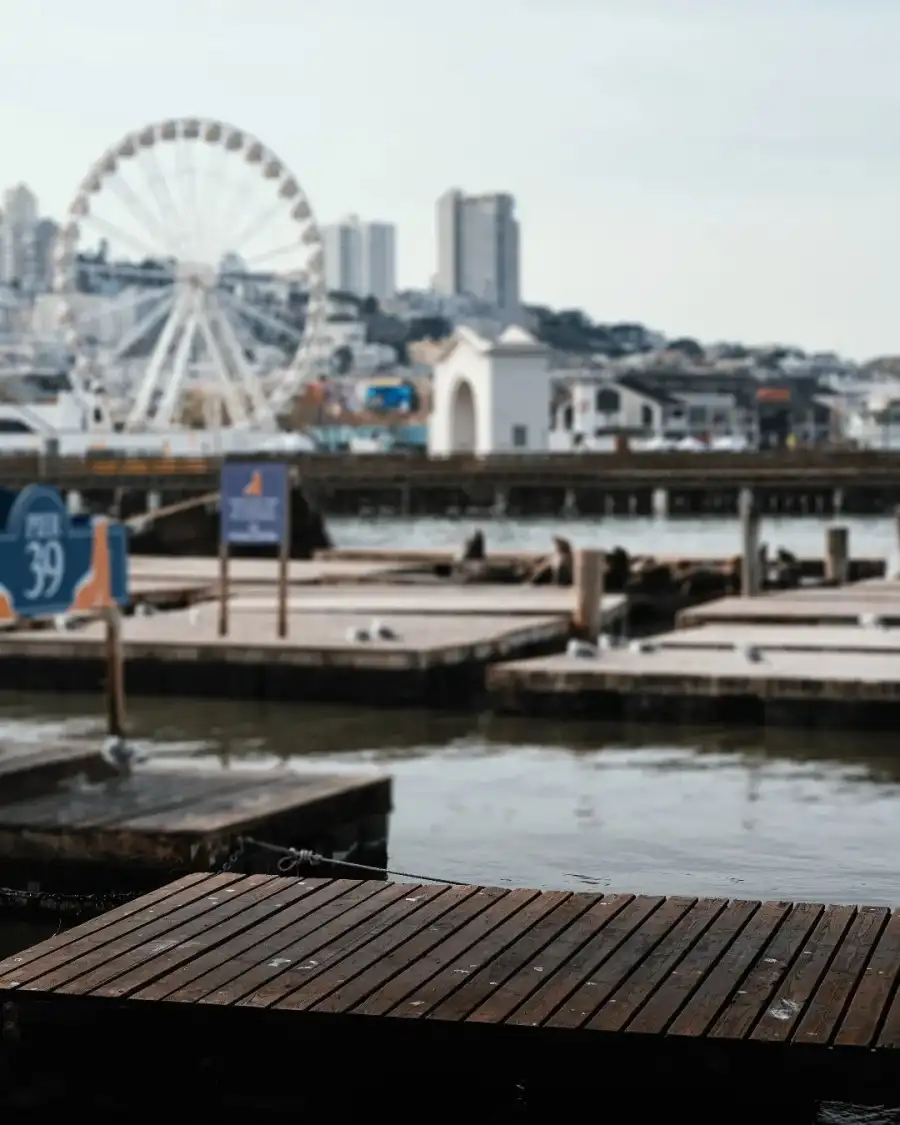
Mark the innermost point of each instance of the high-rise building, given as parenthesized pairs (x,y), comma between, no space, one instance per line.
(478,248)
(360,258)
(20,218)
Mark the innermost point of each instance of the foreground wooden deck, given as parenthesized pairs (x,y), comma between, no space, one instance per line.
(803,995)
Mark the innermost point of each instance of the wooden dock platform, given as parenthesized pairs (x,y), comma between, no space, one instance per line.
(92,832)
(757,1002)
(828,688)
(836,606)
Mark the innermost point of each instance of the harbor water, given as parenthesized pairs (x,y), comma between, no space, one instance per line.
(720,812)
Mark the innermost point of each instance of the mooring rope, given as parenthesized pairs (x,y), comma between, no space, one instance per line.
(292,858)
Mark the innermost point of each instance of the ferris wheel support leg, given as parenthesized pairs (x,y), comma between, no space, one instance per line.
(236,412)
(261,412)
(165,414)
(141,409)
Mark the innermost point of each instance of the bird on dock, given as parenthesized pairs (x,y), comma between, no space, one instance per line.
(120,755)
(751,653)
(61,623)
(872,621)
(194,615)
(381,632)
(642,646)
(357,635)
(144,609)
(581,650)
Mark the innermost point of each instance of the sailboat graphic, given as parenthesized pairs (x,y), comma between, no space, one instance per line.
(7,609)
(255,487)
(94,590)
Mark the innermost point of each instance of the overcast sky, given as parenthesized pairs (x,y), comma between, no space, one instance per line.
(728,169)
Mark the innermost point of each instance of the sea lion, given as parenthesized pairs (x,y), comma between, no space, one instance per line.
(555,568)
(472,548)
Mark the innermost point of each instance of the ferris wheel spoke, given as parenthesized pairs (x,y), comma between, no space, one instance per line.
(174,236)
(144,326)
(180,364)
(236,410)
(267,255)
(250,312)
(140,411)
(123,302)
(259,222)
(187,177)
(138,210)
(112,231)
(250,382)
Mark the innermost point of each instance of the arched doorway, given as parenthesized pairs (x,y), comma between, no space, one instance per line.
(462,418)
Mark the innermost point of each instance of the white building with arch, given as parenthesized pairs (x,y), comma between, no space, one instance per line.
(491,396)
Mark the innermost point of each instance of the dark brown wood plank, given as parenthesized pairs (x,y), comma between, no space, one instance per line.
(635,989)
(825,1009)
(157,912)
(114,801)
(357,964)
(148,963)
(779,1019)
(260,980)
(752,998)
(527,947)
(254,803)
(554,992)
(354,991)
(489,907)
(873,993)
(90,953)
(604,981)
(453,974)
(211,970)
(103,921)
(664,1004)
(721,983)
(512,993)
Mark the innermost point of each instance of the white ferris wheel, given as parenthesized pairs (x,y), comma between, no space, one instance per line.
(190,263)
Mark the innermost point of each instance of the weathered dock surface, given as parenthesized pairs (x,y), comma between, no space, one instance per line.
(260,572)
(434,658)
(854,690)
(708,996)
(784,638)
(136,831)
(837,606)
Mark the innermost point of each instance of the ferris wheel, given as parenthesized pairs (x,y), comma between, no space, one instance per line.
(190,264)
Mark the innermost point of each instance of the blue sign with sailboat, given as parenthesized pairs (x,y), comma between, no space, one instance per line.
(254,502)
(52,563)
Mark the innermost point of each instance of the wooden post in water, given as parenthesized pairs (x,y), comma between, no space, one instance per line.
(224,589)
(750,561)
(837,555)
(115,674)
(284,562)
(588,575)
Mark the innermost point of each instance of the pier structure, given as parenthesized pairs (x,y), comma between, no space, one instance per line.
(226,981)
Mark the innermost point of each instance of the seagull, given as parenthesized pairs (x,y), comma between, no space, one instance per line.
(581,650)
(144,609)
(357,635)
(871,621)
(378,629)
(194,615)
(751,653)
(61,623)
(642,646)
(116,752)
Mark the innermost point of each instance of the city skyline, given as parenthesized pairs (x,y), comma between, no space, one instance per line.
(720,170)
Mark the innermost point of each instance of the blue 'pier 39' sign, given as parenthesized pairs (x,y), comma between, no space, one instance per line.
(51,563)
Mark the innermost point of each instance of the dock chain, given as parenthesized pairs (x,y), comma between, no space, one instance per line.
(290,859)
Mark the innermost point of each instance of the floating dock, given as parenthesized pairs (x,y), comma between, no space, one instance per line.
(765,1002)
(67,825)
(442,640)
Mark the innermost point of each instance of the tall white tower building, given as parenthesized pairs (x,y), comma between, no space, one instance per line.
(20,220)
(478,248)
(360,258)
